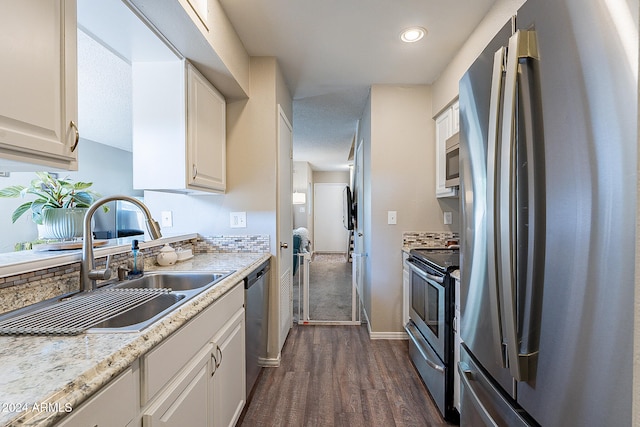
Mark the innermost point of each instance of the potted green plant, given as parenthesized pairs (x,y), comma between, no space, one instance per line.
(59,205)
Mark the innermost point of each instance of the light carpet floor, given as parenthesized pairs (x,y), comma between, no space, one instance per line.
(329,288)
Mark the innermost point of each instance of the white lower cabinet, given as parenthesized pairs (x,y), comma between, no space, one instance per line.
(228,380)
(99,410)
(185,402)
(196,377)
(406,276)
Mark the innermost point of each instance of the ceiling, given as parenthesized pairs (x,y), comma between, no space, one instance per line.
(332,51)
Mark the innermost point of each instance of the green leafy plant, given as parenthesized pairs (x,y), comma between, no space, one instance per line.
(51,193)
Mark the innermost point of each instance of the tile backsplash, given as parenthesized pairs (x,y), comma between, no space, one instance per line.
(427,238)
(21,290)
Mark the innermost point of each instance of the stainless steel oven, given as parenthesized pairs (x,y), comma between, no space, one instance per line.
(430,326)
(427,303)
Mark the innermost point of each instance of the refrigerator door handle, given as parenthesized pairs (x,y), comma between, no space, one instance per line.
(521,45)
(466,376)
(492,186)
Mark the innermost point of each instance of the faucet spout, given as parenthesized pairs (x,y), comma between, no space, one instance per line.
(88,272)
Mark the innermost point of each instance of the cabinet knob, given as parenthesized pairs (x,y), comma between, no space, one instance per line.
(284,245)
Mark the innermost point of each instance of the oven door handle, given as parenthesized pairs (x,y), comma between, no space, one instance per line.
(423,274)
(411,331)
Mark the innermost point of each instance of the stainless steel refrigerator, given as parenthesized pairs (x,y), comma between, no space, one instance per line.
(549,160)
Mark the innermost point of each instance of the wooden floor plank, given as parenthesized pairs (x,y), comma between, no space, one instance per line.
(336,376)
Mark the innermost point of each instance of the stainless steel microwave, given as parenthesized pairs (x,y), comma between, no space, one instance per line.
(452,161)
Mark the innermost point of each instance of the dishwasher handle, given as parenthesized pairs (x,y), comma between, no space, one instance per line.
(256,275)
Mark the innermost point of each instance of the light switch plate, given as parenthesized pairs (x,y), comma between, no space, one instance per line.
(448,218)
(392,217)
(166,219)
(238,220)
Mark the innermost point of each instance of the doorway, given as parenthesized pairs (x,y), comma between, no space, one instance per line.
(325,293)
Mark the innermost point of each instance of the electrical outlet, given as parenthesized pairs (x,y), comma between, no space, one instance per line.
(166,219)
(238,220)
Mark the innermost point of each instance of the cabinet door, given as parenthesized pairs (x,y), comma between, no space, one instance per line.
(455,117)
(206,134)
(185,400)
(99,409)
(405,288)
(228,381)
(38,84)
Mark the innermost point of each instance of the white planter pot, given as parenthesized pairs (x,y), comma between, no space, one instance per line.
(62,223)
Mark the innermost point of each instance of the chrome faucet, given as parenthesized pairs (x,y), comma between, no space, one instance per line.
(88,272)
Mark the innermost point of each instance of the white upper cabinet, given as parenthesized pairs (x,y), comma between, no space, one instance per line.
(179,129)
(206,133)
(447,123)
(38,85)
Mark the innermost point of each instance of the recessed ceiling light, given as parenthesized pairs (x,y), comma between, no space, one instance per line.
(412,34)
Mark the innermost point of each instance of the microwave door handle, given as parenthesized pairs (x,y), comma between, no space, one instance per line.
(519,47)
(492,188)
(424,275)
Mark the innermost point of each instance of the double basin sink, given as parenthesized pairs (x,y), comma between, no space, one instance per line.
(122,306)
(182,285)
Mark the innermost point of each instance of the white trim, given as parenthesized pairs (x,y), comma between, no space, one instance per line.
(388,335)
(328,322)
(269,362)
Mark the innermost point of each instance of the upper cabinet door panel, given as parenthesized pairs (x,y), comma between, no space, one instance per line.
(206,133)
(38,82)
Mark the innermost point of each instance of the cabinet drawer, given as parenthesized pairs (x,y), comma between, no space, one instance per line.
(163,363)
(114,405)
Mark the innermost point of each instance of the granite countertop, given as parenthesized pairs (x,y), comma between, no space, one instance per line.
(62,372)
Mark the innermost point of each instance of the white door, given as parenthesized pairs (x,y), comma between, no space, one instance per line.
(285,225)
(329,233)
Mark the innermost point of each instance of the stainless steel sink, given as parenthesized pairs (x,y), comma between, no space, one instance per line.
(183,286)
(126,306)
(141,316)
(176,281)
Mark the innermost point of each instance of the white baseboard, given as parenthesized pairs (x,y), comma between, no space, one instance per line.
(388,335)
(269,363)
(383,335)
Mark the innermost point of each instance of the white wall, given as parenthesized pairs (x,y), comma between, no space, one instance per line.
(399,162)
(445,88)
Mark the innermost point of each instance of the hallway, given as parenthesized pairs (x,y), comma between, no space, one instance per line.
(337,376)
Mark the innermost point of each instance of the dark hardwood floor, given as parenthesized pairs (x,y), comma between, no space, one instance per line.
(337,376)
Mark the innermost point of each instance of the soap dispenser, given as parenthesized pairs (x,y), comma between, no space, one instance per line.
(136,263)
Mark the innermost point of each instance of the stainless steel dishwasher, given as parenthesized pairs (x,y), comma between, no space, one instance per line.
(256,303)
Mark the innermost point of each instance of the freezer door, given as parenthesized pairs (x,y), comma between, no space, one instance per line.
(481,402)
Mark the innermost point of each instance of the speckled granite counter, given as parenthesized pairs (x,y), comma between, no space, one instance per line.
(62,372)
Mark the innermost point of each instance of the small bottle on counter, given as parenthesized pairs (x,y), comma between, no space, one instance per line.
(136,263)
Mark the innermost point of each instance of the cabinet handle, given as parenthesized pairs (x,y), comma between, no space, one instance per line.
(215,363)
(195,171)
(75,143)
(218,351)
